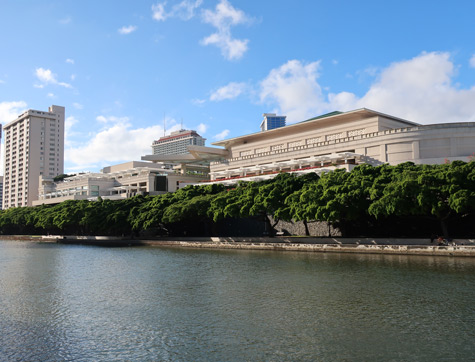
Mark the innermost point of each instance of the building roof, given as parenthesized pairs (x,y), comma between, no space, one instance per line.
(320,120)
(179,134)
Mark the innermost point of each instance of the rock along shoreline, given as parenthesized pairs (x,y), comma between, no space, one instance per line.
(457,247)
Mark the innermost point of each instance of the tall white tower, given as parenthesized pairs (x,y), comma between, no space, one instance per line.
(34,146)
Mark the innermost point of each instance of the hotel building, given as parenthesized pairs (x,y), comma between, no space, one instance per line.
(335,140)
(34,146)
(1,192)
(177,142)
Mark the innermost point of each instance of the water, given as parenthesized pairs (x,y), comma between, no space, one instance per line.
(77,303)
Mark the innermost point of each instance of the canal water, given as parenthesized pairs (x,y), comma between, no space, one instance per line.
(79,303)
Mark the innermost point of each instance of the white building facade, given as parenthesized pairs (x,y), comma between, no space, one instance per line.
(177,142)
(331,141)
(113,182)
(34,146)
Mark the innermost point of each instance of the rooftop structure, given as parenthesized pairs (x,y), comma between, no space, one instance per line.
(272,121)
(34,146)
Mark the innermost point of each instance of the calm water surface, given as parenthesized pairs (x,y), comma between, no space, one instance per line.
(77,303)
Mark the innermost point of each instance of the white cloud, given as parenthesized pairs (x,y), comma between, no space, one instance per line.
(419,89)
(51,95)
(46,76)
(2,81)
(158,12)
(201,129)
(294,87)
(11,110)
(472,61)
(117,143)
(198,102)
(185,10)
(112,119)
(70,61)
(78,105)
(230,91)
(68,124)
(65,20)
(127,29)
(222,19)
(222,135)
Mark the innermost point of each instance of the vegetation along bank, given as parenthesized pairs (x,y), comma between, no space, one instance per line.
(406,200)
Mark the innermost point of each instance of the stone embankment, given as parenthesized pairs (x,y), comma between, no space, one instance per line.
(457,247)
(465,247)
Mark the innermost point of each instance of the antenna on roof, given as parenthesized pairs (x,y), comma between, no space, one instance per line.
(181,123)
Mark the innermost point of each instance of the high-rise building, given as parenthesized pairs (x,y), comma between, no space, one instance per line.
(177,143)
(1,191)
(34,146)
(271,121)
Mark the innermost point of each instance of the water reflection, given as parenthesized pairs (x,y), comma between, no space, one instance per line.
(62,303)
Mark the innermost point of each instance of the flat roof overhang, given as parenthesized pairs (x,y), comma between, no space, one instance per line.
(197,154)
(313,122)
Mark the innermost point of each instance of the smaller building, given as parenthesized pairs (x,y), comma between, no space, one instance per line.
(114,182)
(272,121)
(177,142)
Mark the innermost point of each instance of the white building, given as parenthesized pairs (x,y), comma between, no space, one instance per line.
(114,182)
(34,146)
(177,142)
(1,192)
(334,140)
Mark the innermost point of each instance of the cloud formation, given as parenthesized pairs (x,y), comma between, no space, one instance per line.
(294,88)
(127,29)
(11,110)
(222,135)
(184,10)
(68,124)
(46,76)
(201,129)
(112,119)
(70,61)
(472,61)
(116,143)
(230,91)
(65,20)
(223,18)
(420,89)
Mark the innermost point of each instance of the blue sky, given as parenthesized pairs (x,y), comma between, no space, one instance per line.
(121,67)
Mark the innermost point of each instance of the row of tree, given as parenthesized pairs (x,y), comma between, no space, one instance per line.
(366,197)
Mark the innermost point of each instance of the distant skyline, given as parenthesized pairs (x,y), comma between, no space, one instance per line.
(123,68)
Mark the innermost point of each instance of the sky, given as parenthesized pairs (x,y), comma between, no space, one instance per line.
(129,72)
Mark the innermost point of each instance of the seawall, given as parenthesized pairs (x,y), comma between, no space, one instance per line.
(458,247)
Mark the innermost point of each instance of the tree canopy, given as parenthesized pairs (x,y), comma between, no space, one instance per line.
(366,195)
